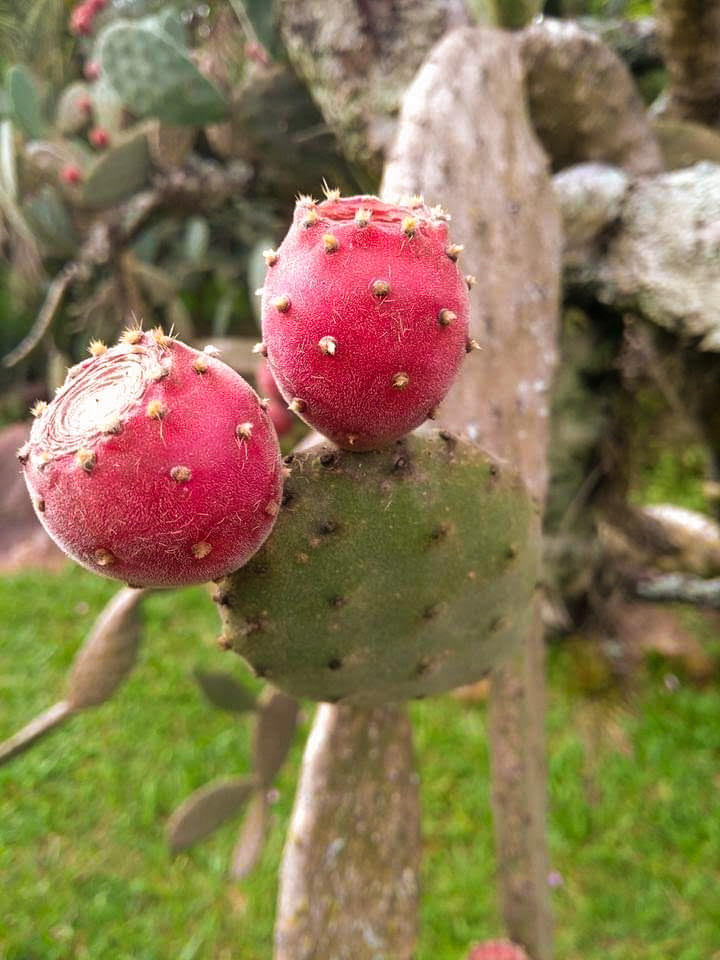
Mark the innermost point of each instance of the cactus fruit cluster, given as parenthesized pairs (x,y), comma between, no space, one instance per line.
(391,574)
(365,316)
(154,463)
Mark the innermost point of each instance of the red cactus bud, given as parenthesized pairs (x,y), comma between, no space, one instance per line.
(91,70)
(365,316)
(147,479)
(81,19)
(71,174)
(99,138)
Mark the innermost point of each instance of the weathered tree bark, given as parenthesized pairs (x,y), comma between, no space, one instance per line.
(634,41)
(689,34)
(464,140)
(583,101)
(659,259)
(357,59)
(349,878)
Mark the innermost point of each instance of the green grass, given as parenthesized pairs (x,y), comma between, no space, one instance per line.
(634,830)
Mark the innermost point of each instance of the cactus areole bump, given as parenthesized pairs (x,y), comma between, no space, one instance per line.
(365,316)
(154,464)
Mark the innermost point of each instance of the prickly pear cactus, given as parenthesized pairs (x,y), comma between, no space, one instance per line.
(390,575)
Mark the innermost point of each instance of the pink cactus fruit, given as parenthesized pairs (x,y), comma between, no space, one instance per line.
(91,70)
(71,174)
(154,464)
(81,19)
(99,138)
(365,316)
(282,419)
(497,950)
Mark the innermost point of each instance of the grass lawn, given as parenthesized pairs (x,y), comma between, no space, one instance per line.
(85,872)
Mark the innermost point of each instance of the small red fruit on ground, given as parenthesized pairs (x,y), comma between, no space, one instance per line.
(365,316)
(497,950)
(154,464)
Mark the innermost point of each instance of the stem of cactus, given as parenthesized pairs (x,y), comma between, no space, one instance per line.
(350,873)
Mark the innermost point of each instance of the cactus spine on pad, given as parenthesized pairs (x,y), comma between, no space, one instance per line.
(390,575)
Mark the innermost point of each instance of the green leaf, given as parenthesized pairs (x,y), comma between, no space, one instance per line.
(49,220)
(262,14)
(206,809)
(24,101)
(224,691)
(118,172)
(251,840)
(109,653)
(274,734)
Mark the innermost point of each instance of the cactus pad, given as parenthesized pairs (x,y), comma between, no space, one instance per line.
(390,575)
(154,76)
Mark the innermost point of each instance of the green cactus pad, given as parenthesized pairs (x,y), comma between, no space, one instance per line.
(119,171)
(389,575)
(24,101)
(155,77)
(49,220)
(71,113)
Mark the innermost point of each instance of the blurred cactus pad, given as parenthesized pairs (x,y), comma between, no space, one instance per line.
(151,70)
(390,575)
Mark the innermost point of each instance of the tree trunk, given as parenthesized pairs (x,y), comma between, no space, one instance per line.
(464,140)
(689,34)
(349,877)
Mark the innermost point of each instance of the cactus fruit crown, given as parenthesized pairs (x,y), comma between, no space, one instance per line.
(365,316)
(154,463)
(391,574)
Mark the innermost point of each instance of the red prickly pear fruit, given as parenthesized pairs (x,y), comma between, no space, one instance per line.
(278,412)
(154,464)
(99,138)
(91,70)
(497,950)
(71,174)
(365,316)
(81,19)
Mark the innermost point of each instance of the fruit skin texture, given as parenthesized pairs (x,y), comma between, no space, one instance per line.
(365,317)
(282,419)
(154,464)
